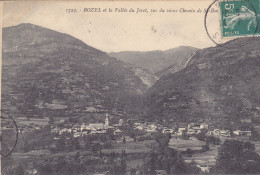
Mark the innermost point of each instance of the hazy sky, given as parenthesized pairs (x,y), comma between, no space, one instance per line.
(117,31)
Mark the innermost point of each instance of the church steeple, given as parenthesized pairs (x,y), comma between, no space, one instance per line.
(107,120)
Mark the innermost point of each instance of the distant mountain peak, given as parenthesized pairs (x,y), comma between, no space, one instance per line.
(25,34)
(157,61)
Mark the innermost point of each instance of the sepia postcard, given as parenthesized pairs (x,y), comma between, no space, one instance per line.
(130,87)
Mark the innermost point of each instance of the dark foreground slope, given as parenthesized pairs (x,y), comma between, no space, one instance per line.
(219,85)
(47,73)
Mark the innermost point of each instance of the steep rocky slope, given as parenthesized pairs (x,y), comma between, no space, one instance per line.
(220,85)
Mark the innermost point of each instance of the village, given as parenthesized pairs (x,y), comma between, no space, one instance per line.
(80,130)
(121,129)
(197,142)
(118,129)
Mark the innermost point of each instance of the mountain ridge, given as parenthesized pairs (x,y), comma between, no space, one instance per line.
(48,73)
(156,61)
(218,86)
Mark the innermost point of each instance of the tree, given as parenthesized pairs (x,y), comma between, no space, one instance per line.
(249,146)
(96,147)
(20,170)
(152,163)
(228,159)
(17,170)
(75,144)
(88,140)
(162,139)
(213,140)
(45,169)
(7,161)
(190,152)
(110,133)
(51,119)
(123,166)
(205,147)
(26,146)
(77,156)
(254,134)
(251,162)
(61,144)
(185,135)
(133,171)
(235,156)
(202,135)
(164,158)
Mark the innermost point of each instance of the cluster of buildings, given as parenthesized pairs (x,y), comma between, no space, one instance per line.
(152,127)
(227,133)
(218,132)
(191,129)
(29,128)
(242,133)
(147,127)
(26,125)
(196,129)
(80,130)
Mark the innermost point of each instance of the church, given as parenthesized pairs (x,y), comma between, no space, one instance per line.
(96,126)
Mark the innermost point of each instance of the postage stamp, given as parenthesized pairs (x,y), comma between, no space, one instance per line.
(240,18)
